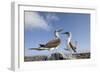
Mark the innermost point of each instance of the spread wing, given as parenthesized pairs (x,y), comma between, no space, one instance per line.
(53,43)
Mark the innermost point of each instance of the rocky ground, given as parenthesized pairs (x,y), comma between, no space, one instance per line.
(57,56)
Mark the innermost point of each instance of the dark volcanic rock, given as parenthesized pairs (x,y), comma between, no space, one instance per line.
(57,56)
(82,55)
(35,58)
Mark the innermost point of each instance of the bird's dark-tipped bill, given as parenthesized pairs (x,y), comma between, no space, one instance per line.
(60,30)
(65,33)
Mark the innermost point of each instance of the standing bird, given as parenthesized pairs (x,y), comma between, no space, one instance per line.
(52,44)
(70,45)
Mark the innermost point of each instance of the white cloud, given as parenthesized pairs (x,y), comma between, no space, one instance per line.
(35,20)
(51,17)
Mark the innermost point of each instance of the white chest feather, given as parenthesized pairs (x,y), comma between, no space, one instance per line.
(57,34)
(68,40)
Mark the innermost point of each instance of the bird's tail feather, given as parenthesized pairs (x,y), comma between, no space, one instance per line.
(42,45)
(74,49)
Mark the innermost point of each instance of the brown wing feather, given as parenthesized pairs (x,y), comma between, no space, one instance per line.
(53,43)
(72,46)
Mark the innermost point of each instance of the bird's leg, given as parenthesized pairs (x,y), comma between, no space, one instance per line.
(70,54)
(55,50)
(50,53)
(64,56)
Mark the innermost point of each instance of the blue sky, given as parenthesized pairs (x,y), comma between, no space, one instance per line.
(39,28)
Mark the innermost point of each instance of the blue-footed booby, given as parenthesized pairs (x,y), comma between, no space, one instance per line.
(52,44)
(70,45)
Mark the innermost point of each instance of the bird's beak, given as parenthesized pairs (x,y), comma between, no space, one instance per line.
(60,30)
(65,33)
(62,33)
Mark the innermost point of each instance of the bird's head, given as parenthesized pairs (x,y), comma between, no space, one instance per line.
(56,32)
